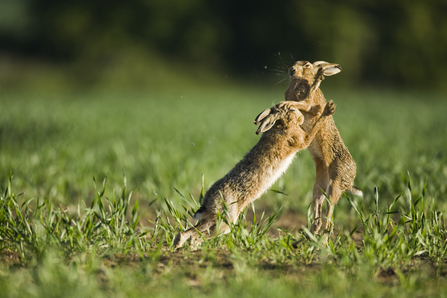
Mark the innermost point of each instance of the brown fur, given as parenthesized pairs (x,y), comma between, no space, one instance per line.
(335,167)
(282,138)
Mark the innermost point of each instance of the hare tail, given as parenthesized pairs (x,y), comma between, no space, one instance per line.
(199,213)
(355,191)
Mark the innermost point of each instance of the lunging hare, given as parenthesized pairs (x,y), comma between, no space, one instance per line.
(335,167)
(282,138)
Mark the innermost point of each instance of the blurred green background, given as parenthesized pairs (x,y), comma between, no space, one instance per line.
(140,43)
(165,91)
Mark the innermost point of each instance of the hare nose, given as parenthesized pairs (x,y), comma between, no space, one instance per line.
(291,71)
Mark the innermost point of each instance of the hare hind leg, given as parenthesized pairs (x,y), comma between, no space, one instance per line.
(321,185)
(203,226)
(341,175)
(193,232)
(334,192)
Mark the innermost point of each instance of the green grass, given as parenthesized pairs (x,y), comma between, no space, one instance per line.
(103,182)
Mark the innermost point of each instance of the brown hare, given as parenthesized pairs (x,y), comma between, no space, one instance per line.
(335,167)
(282,138)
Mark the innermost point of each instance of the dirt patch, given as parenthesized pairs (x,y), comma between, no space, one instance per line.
(219,257)
(289,221)
(10,258)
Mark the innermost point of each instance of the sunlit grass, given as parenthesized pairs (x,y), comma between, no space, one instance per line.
(103,183)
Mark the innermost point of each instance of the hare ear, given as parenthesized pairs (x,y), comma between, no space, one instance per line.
(329,69)
(267,123)
(261,116)
(318,63)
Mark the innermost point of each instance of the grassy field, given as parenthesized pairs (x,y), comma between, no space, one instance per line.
(103,181)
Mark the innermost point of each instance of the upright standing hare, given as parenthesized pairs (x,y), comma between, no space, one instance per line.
(282,137)
(335,167)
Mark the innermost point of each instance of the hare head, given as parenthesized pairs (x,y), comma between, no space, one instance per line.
(308,71)
(306,76)
(285,115)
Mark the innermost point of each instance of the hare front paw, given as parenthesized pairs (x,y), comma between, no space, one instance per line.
(329,109)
